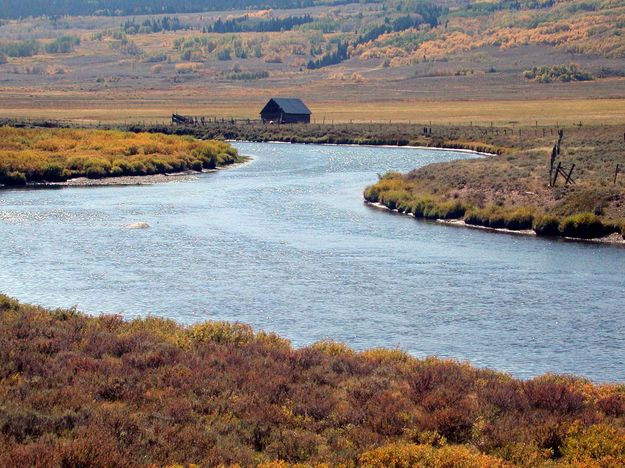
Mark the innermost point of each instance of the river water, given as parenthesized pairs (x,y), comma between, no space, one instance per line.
(286,244)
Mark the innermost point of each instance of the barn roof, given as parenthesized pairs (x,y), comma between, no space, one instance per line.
(290,105)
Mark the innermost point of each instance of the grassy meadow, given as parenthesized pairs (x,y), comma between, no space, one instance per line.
(512,190)
(56,155)
(442,62)
(116,109)
(101,391)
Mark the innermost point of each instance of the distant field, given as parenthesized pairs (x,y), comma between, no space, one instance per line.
(441,62)
(500,112)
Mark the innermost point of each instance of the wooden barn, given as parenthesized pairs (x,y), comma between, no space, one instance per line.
(285,110)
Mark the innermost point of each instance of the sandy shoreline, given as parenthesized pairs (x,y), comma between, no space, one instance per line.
(613,239)
(127,180)
(130,180)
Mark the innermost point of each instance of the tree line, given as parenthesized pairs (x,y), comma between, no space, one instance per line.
(153,25)
(244,24)
(55,8)
(61,45)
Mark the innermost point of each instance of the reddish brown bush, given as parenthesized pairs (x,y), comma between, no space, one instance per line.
(82,391)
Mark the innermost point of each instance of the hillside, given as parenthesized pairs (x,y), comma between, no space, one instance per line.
(100,391)
(398,53)
(24,9)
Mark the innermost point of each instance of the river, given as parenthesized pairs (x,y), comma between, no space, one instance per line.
(286,244)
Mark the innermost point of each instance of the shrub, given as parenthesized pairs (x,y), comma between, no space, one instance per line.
(547,226)
(7,303)
(81,390)
(585,226)
(402,455)
(62,45)
(96,172)
(519,219)
(186,68)
(563,73)
(54,172)
(499,218)
(598,442)
(14,178)
(220,332)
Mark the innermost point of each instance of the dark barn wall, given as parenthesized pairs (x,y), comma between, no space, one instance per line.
(296,118)
(285,118)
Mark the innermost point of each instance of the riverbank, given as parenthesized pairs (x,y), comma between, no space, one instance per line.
(613,239)
(186,176)
(72,156)
(517,191)
(470,137)
(102,390)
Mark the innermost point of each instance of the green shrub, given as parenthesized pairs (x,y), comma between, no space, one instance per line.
(14,178)
(498,218)
(520,219)
(96,172)
(116,171)
(585,226)
(477,218)
(220,332)
(430,209)
(138,168)
(54,172)
(547,226)
(393,198)
(6,303)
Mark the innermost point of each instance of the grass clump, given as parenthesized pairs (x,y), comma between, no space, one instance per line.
(561,73)
(586,226)
(500,218)
(55,155)
(547,225)
(397,193)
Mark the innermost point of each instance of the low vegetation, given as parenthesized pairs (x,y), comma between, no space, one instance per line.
(512,191)
(55,155)
(563,73)
(62,45)
(84,391)
(346,134)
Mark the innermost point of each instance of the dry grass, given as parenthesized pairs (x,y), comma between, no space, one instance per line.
(512,190)
(53,155)
(82,108)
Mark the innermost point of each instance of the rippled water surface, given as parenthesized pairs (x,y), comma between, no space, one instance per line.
(286,244)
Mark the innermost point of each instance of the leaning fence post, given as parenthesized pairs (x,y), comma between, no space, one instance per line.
(568,177)
(555,177)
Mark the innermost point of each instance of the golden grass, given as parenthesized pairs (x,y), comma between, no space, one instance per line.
(499,112)
(36,154)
